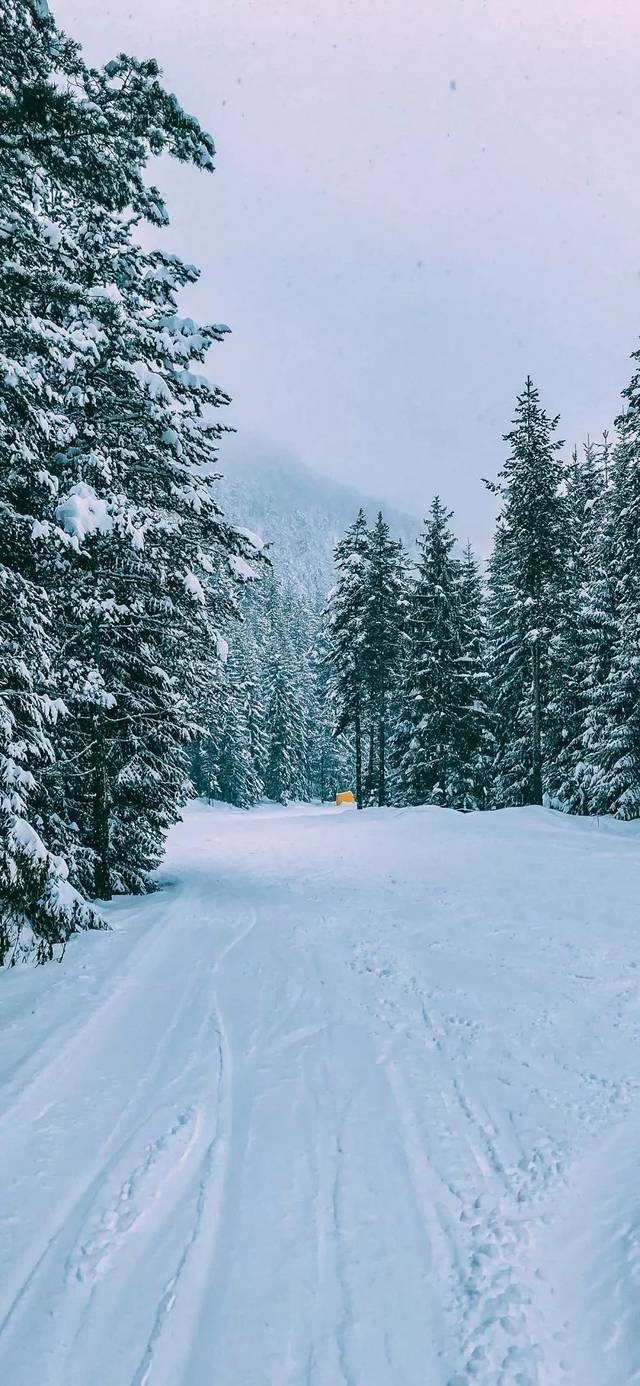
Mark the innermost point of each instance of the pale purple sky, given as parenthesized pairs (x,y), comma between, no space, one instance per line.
(415,204)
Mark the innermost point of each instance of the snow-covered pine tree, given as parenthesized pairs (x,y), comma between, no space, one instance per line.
(526,585)
(45,135)
(331,756)
(237,780)
(37,900)
(429,735)
(476,737)
(243,648)
(237,739)
(205,758)
(576,657)
(258,731)
(108,478)
(345,638)
(145,580)
(286,769)
(613,724)
(248,672)
(598,634)
(383,618)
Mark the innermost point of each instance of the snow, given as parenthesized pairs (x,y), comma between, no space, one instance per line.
(51,233)
(241,569)
(172,439)
(53,708)
(106,291)
(300,514)
(24,836)
(192,380)
(193,586)
(351,1101)
(204,159)
(82,512)
(150,381)
(254,540)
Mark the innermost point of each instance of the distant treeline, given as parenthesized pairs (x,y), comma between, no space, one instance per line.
(521,686)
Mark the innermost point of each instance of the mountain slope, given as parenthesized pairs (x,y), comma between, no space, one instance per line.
(300,513)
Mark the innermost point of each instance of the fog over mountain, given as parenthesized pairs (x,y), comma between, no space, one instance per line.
(300,513)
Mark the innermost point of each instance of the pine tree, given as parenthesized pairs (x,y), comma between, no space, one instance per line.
(346,640)
(383,617)
(284,775)
(146,583)
(112,543)
(286,767)
(599,630)
(576,657)
(331,756)
(237,780)
(36,897)
(46,131)
(248,672)
(142,587)
(613,728)
(475,736)
(238,736)
(429,737)
(526,583)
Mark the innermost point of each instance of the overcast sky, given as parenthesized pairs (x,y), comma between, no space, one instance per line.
(416,202)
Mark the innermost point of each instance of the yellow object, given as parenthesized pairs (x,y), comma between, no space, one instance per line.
(346,798)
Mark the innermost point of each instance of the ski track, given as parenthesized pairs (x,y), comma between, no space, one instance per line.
(351,1101)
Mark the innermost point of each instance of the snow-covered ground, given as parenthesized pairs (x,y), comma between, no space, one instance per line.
(352,1101)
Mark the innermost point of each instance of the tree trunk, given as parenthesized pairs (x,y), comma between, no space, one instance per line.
(536,764)
(358,732)
(100,786)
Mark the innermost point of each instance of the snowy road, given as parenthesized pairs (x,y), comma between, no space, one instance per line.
(353,1101)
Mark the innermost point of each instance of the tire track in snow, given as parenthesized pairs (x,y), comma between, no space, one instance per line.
(84,1194)
(194,1265)
(211,1181)
(316,1074)
(138,959)
(437,1206)
(344,1323)
(78,1210)
(490,1294)
(136,1198)
(374,1208)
